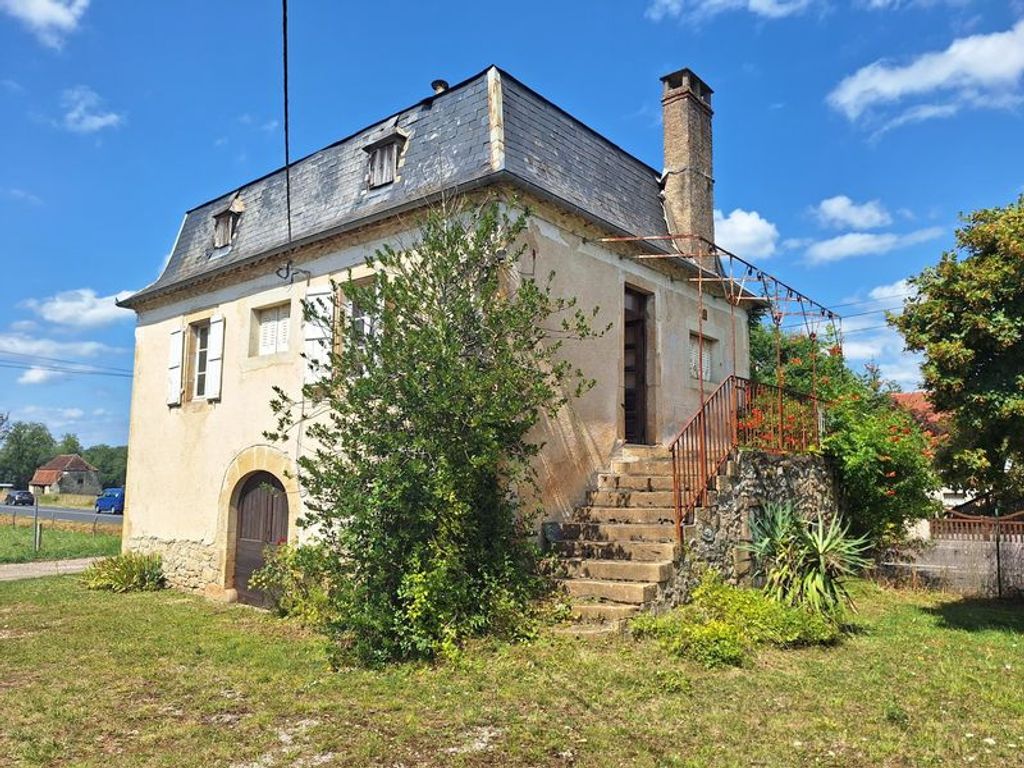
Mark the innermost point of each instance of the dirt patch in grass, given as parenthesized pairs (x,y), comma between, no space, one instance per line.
(165,679)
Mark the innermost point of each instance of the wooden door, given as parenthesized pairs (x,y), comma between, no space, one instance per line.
(262,523)
(635,367)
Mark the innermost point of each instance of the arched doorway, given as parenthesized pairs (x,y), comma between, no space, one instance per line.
(262,522)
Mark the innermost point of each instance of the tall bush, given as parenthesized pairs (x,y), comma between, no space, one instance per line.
(446,361)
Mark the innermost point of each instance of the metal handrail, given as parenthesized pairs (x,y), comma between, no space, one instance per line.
(740,413)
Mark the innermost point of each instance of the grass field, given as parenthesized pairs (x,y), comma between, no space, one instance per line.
(61,540)
(167,679)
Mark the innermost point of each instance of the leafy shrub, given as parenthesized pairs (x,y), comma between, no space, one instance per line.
(805,562)
(421,462)
(127,572)
(723,624)
(298,580)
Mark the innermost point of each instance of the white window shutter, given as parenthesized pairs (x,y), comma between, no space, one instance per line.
(174,367)
(316,337)
(283,323)
(214,358)
(268,331)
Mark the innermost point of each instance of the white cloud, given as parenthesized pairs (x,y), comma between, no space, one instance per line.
(841,211)
(978,71)
(864,244)
(22,196)
(38,376)
(50,20)
(81,308)
(21,345)
(746,233)
(698,9)
(901,289)
(85,113)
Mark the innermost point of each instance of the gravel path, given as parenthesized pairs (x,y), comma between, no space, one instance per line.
(15,571)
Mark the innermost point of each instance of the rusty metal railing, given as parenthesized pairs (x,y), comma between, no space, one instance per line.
(740,413)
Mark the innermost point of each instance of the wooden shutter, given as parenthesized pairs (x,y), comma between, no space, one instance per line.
(174,360)
(283,326)
(214,358)
(268,331)
(316,335)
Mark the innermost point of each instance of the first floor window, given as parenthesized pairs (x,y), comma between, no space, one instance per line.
(700,359)
(201,344)
(273,329)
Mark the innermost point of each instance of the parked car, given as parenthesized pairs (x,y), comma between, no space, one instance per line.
(111,500)
(20,499)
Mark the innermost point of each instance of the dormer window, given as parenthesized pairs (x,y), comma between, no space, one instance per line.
(225,223)
(383,163)
(384,153)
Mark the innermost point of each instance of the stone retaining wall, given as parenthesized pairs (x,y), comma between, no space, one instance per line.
(757,478)
(192,565)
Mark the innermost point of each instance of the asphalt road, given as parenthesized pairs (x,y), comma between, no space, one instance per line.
(59,513)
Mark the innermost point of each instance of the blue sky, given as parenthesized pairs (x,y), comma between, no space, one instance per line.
(848,136)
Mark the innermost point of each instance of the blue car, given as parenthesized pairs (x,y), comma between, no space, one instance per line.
(111,500)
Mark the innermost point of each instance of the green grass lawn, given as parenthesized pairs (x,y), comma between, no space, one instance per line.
(60,541)
(167,679)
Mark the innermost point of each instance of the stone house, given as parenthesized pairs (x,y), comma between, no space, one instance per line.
(68,474)
(223,324)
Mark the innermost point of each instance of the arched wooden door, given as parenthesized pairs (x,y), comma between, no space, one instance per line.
(262,522)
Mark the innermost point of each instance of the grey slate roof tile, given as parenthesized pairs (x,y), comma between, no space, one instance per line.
(448,145)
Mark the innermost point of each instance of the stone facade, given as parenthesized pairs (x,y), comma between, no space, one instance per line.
(191,565)
(753,479)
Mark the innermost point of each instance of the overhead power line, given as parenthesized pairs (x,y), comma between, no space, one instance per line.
(59,369)
(65,361)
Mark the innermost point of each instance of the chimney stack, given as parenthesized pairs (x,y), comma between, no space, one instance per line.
(687,184)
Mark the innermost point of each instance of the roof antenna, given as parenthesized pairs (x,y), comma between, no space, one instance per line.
(287,150)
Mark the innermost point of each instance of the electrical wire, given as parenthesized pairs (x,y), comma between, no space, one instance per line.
(57,369)
(113,369)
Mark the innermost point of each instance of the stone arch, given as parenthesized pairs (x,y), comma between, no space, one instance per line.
(255,458)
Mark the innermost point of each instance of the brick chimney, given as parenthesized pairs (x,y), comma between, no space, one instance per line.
(687,184)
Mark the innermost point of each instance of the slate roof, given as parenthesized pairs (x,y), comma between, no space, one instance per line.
(51,471)
(546,151)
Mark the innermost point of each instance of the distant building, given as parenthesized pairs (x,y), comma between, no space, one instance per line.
(68,473)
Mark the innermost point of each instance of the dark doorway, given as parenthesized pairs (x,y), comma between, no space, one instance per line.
(262,522)
(635,366)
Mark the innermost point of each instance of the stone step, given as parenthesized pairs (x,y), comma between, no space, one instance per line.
(630,498)
(658,571)
(632,452)
(624,515)
(655,467)
(632,592)
(637,551)
(602,612)
(618,531)
(610,481)
(589,630)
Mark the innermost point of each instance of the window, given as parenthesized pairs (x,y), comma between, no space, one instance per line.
(224,227)
(701,360)
(201,345)
(382,164)
(272,325)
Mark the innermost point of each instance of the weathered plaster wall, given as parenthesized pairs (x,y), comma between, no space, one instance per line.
(186,461)
(756,478)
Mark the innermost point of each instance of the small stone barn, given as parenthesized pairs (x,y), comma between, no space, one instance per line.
(67,473)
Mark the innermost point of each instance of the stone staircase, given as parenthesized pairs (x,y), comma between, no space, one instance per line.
(619,550)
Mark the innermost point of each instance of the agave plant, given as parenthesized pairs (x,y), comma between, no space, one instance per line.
(805,562)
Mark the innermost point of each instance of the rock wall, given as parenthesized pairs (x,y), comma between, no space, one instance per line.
(754,478)
(187,564)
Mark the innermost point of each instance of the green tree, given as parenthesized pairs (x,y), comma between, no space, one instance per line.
(28,446)
(111,461)
(419,480)
(967,317)
(881,456)
(5,426)
(69,444)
